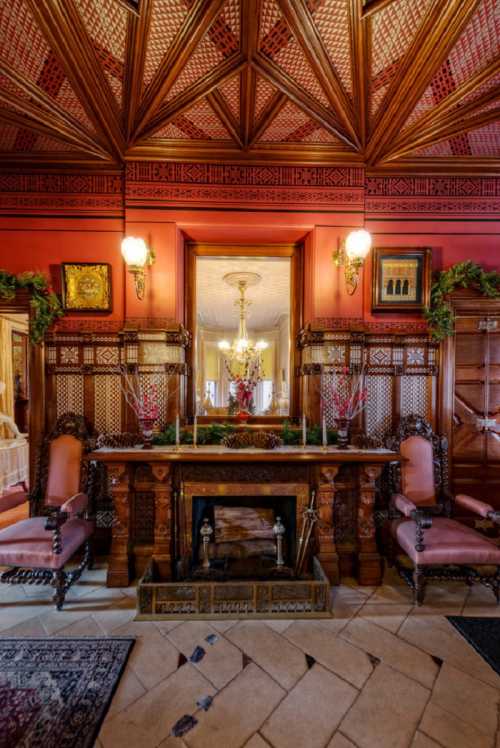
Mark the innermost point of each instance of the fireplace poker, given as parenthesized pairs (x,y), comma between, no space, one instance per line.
(310,517)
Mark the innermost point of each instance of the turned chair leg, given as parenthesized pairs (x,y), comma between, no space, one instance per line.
(89,553)
(59,584)
(419,582)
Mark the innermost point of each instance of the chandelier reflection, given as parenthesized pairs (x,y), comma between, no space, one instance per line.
(242,356)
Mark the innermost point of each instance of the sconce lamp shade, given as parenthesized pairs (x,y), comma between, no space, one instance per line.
(134,251)
(358,244)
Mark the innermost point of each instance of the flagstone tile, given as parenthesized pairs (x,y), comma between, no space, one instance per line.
(80,607)
(340,741)
(256,742)
(222,660)
(446,599)
(423,741)
(84,627)
(311,711)
(467,698)
(438,637)
(165,626)
(387,712)
(389,616)
(30,628)
(398,593)
(118,615)
(283,661)
(150,719)
(153,658)
(171,742)
(223,626)
(393,651)
(129,690)
(279,625)
(237,711)
(450,731)
(331,651)
(16,611)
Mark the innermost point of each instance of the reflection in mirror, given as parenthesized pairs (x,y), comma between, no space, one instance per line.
(242,336)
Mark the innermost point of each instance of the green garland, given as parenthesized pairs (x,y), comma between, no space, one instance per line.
(44,302)
(462,275)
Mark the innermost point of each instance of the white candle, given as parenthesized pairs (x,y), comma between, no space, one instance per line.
(304,430)
(195,431)
(177,430)
(325,438)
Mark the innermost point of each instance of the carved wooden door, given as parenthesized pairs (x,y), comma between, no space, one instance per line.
(475,448)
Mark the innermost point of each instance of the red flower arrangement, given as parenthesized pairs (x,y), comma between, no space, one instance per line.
(347,399)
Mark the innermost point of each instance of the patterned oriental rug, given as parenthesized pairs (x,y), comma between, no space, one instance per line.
(54,693)
(483,634)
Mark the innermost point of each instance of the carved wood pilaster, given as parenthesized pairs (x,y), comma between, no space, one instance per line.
(162,474)
(370,562)
(119,559)
(325,535)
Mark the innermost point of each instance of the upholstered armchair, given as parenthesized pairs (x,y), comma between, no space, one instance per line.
(37,549)
(426,542)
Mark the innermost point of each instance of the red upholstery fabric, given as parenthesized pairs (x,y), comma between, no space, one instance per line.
(29,544)
(474,505)
(64,469)
(417,473)
(11,499)
(446,542)
(404,505)
(76,504)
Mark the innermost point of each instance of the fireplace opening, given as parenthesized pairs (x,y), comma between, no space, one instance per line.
(241,539)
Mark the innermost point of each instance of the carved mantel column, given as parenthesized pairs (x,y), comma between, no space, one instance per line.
(119,559)
(162,474)
(370,562)
(327,554)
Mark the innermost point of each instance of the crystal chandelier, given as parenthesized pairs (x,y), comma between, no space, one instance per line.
(242,354)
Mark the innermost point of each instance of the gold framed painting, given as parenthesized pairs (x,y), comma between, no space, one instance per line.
(86,287)
(401,279)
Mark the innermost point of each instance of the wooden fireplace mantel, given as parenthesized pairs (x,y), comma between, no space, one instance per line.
(162,471)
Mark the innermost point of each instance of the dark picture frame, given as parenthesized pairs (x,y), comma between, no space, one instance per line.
(86,287)
(401,279)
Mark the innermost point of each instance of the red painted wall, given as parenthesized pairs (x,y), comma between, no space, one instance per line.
(456,227)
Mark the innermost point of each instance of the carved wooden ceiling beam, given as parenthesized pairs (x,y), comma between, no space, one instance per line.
(373,6)
(133,6)
(456,125)
(216,101)
(215,152)
(36,120)
(200,17)
(62,26)
(466,165)
(302,25)
(273,107)
(137,38)
(450,104)
(440,30)
(360,54)
(56,162)
(300,97)
(250,14)
(225,70)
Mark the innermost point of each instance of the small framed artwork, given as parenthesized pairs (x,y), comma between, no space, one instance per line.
(401,279)
(86,287)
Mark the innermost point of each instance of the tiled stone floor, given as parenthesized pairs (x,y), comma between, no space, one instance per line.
(380,674)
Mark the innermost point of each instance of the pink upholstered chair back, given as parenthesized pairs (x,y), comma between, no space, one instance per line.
(417,474)
(63,480)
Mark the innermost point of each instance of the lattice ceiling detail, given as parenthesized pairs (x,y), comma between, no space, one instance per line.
(396,84)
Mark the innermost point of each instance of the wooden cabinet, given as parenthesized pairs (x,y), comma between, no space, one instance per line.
(471,397)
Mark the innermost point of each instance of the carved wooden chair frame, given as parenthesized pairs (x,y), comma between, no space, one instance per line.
(61,580)
(416,576)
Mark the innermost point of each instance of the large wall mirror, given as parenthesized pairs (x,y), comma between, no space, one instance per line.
(244,312)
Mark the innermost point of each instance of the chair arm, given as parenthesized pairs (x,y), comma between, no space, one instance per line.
(54,521)
(423,521)
(77,504)
(474,505)
(402,504)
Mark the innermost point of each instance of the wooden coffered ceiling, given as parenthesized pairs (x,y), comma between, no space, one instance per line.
(398,85)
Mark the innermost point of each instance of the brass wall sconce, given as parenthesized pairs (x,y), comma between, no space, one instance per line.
(351,253)
(137,257)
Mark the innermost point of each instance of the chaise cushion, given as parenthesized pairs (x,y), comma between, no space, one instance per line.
(29,544)
(446,542)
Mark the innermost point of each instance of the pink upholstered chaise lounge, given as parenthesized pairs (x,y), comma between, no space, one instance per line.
(434,545)
(36,550)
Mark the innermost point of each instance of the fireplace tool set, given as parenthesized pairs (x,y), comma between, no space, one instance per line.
(309,520)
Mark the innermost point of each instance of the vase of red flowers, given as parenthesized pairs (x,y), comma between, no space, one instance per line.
(143,400)
(347,399)
(343,426)
(147,425)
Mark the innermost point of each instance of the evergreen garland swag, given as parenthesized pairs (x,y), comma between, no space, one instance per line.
(44,302)
(464,274)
